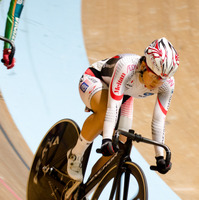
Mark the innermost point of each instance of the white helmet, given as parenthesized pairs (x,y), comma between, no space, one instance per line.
(162,58)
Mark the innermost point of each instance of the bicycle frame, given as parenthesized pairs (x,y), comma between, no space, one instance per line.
(125,155)
(120,157)
(95,179)
(48,176)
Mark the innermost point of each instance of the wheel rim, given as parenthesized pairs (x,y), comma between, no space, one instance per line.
(137,189)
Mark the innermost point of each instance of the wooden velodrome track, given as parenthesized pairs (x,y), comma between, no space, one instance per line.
(15,158)
(111,27)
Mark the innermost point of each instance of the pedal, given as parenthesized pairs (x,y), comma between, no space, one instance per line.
(71,186)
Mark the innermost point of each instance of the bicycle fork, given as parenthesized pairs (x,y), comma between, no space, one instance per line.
(120,170)
(116,187)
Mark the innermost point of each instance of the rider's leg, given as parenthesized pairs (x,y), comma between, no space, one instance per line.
(94,123)
(93,126)
(125,123)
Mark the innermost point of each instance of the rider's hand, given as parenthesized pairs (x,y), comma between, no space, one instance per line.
(107,147)
(6,61)
(161,165)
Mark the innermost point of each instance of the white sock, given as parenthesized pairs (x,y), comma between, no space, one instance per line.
(81,146)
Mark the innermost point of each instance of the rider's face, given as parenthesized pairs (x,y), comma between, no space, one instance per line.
(151,80)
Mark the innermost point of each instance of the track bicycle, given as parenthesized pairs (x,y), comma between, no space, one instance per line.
(119,178)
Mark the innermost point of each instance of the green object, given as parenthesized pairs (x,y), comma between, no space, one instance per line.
(12,21)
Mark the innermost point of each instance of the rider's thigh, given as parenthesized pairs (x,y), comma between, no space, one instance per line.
(88,87)
(99,101)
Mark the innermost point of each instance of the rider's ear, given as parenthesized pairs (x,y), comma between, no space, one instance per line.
(143,65)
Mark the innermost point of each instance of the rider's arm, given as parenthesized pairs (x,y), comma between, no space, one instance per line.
(13,16)
(161,107)
(126,114)
(115,97)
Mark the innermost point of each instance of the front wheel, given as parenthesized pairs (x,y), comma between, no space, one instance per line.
(131,186)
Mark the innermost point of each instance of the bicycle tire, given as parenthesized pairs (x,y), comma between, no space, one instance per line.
(136,174)
(51,152)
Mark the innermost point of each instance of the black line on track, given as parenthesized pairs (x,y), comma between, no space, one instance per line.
(13,147)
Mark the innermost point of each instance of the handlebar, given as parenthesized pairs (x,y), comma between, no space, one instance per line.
(138,138)
(12,48)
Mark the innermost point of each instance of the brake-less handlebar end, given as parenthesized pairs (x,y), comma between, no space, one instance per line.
(98,150)
(138,138)
(154,168)
(162,171)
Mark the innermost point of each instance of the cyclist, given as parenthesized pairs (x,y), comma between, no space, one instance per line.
(111,84)
(12,22)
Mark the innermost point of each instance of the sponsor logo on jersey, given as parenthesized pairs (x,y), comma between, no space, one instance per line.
(170,82)
(83,87)
(119,83)
(146,94)
(131,67)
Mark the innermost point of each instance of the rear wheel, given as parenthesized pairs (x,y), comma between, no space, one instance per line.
(47,177)
(132,184)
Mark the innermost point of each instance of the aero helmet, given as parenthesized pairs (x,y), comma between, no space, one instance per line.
(162,58)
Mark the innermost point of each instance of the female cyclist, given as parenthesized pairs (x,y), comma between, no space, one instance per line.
(108,87)
(12,22)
